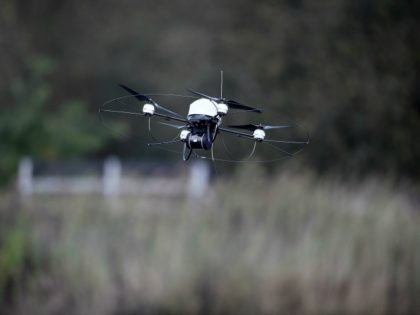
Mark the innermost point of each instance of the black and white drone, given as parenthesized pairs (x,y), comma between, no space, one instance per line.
(203,133)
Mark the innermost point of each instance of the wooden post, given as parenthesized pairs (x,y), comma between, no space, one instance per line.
(25,183)
(111,178)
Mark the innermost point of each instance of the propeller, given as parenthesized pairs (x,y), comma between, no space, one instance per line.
(230,103)
(173,125)
(252,127)
(144,98)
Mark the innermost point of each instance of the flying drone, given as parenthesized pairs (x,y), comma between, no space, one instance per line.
(203,132)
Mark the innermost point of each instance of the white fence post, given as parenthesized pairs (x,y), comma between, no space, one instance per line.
(111,184)
(111,179)
(199,179)
(25,183)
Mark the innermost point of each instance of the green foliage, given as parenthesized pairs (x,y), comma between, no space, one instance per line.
(347,70)
(72,132)
(17,260)
(31,126)
(13,250)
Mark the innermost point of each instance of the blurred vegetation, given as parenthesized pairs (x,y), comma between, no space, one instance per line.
(17,259)
(29,126)
(294,244)
(348,70)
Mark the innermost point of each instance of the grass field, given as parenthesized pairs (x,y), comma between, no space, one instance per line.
(289,244)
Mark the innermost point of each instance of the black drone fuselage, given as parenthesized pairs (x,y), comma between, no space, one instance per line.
(202,131)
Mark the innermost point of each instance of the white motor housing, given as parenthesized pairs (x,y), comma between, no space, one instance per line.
(148,109)
(184,135)
(222,109)
(203,106)
(259,134)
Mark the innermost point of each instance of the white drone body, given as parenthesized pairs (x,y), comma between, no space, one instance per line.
(202,107)
(206,107)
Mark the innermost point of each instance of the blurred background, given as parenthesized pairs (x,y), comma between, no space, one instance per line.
(91,223)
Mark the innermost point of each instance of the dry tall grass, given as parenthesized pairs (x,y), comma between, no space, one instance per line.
(291,244)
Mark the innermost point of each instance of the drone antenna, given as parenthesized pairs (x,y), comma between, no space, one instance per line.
(221,83)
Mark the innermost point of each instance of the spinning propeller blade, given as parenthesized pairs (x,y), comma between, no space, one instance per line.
(252,127)
(275,127)
(144,98)
(173,125)
(236,105)
(230,103)
(203,95)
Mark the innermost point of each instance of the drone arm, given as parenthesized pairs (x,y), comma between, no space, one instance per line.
(145,98)
(238,133)
(101,110)
(167,117)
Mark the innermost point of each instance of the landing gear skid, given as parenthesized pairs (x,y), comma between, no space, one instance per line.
(186,152)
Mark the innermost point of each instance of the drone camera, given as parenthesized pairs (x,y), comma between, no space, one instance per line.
(148,109)
(222,109)
(259,135)
(195,141)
